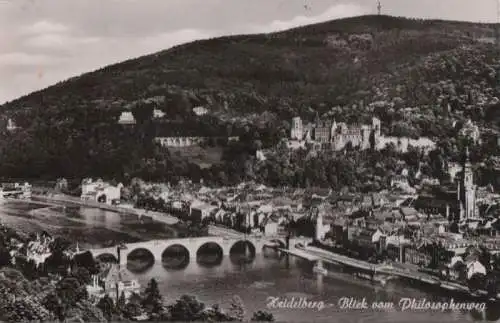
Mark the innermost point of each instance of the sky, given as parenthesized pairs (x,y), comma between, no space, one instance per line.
(43,42)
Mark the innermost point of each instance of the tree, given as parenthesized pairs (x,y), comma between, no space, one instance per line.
(131,310)
(215,314)
(262,316)
(87,261)
(26,309)
(106,305)
(186,309)
(5,257)
(54,304)
(152,298)
(82,275)
(237,308)
(121,303)
(133,306)
(70,291)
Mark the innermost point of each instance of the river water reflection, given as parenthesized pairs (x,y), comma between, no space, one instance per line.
(269,274)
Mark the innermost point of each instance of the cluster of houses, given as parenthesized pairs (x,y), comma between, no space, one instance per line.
(15,190)
(404,235)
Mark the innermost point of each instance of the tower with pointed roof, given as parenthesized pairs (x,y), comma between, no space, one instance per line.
(466,192)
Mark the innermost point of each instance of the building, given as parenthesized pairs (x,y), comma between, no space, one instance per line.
(453,170)
(200,111)
(158,114)
(180,141)
(99,191)
(466,191)
(337,136)
(297,132)
(271,226)
(339,232)
(323,226)
(470,131)
(415,256)
(113,281)
(199,210)
(126,118)
(475,267)
(38,250)
(11,126)
(61,185)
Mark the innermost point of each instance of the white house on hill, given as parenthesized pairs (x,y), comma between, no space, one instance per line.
(11,126)
(126,118)
(158,114)
(200,111)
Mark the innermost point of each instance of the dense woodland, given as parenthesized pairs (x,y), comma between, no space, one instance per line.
(421,78)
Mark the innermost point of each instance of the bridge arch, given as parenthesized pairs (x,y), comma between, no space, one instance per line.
(139,259)
(243,247)
(175,256)
(210,253)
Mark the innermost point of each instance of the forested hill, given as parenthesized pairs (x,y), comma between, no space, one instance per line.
(408,72)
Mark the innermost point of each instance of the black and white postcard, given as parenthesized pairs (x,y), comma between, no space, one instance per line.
(249,160)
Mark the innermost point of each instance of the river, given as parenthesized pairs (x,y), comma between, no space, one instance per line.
(269,274)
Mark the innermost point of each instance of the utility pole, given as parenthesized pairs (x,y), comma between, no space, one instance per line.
(379,7)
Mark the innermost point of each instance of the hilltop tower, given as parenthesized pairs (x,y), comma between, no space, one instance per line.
(379,8)
(297,132)
(466,192)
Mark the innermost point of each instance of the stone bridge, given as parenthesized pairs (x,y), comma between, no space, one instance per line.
(192,246)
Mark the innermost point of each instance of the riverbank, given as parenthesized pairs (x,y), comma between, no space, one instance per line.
(390,270)
(61,199)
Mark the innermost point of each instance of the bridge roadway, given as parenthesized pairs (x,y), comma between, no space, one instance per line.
(192,245)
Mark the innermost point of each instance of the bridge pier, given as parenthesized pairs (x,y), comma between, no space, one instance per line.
(122,261)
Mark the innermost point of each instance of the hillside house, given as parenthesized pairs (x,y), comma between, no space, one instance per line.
(126,118)
(158,114)
(11,125)
(200,111)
